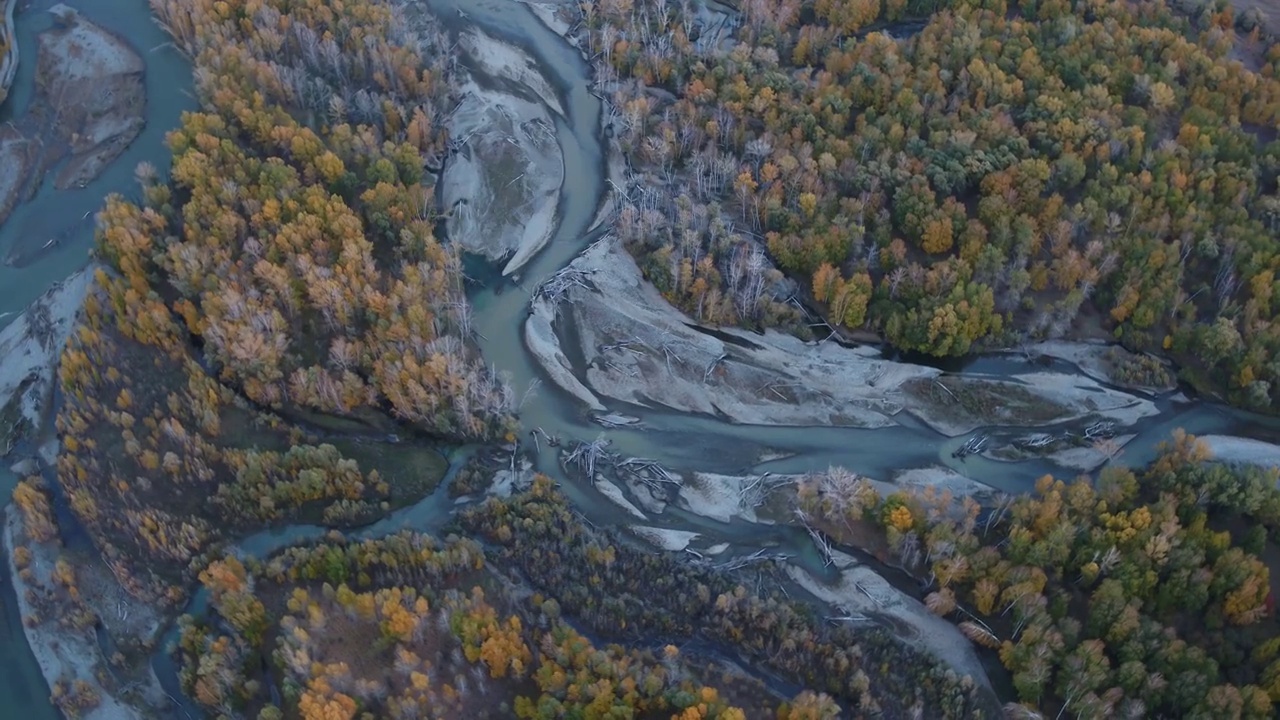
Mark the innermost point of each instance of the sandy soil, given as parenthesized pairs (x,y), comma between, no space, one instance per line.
(940,478)
(665,538)
(1227,448)
(861,591)
(640,349)
(1026,400)
(1089,458)
(502,184)
(550,15)
(615,495)
(93,80)
(540,338)
(1091,358)
(718,497)
(62,654)
(769,379)
(29,350)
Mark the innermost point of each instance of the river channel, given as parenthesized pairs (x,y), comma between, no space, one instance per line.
(678,441)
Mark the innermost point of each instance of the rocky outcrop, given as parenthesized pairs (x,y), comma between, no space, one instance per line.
(89,105)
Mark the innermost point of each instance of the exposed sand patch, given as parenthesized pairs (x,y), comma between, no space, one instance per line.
(540,338)
(615,495)
(502,184)
(89,105)
(62,654)
(1092,359)
(1088,458)
(501,60)
(1230,449)
(29,351)
(967,403)
(94,82)
(507,481)
(940,478)
(861,591)
(719,497)
(550,15)
(665,538)
(642,350)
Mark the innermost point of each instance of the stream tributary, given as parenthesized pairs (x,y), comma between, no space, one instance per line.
(681,442)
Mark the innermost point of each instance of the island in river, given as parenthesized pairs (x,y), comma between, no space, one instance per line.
(246,400)
(89,106)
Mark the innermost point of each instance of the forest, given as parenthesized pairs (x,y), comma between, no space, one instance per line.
(408,626)
(276,334)
(1010,172)
(271,311)
(1141,595)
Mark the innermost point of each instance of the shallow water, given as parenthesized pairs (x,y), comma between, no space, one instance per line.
(680,441)
(55,212)
(23,691)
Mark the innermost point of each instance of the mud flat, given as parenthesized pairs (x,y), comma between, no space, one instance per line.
(90,104)
(502,183)
(29,351)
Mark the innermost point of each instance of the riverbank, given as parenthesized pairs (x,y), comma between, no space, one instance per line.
(9,51)
(770,376)
(90,105)
(634,347)
(502,182)
(29,351)
(1246,451)
(64,645)
(631,345)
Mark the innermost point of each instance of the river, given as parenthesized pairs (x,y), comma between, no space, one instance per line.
(679,441)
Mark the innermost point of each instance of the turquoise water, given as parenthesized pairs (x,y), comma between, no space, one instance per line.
(23,692)
(680,441)
(54,211)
